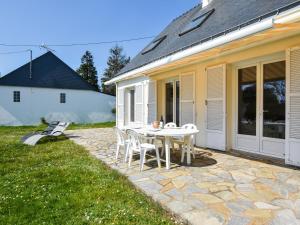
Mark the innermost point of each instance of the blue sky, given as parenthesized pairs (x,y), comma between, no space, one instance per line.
(60,22)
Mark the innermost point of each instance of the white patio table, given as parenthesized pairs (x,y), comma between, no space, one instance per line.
(168,134)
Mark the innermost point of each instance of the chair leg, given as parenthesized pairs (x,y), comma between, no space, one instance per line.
(193,152)
(157,157)
(142,159)
(117,152)
(182,154)
(180,146)
(163,148)
(130,158)
(126,153)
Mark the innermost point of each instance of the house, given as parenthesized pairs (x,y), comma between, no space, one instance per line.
(52,90)
(230,67)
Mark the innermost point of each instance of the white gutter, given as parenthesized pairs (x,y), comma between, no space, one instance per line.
(290,16)
(244,32)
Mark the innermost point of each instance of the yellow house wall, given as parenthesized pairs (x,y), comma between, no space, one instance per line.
(200,90)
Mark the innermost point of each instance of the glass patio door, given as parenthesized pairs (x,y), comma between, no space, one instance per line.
(247,126)
(261,108)
(273,108)
(172,102)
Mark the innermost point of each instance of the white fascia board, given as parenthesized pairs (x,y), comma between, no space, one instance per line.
(233,36)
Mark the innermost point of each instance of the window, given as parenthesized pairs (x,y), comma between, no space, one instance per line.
(247,101)
(62,98)
(172,112)
(131,104)
(274,100)
(153,45)
(17,96)
(196,22)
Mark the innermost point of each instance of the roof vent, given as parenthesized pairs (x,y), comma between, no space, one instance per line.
(205,2)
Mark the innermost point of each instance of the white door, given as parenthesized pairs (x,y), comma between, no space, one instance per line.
(151,102)
(260,110)
(293,107)
(216,107)
(187,98)
(120,107)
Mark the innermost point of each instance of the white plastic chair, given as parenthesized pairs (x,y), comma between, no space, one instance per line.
(135,146)
(184,144)
(122,142)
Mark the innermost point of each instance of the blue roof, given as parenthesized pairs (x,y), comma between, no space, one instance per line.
(48,71)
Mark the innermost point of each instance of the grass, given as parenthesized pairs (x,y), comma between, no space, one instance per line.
(58,182)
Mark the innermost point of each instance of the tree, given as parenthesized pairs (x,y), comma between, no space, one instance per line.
(116,61)
(87,69)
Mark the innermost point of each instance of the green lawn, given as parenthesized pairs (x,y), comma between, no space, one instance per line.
(58,182)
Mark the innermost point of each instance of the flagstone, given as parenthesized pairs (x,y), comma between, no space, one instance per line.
(234,190)
(206,185)
(179,207)
(195,203)
(297,208)
(285,216)
(218,188)
(201,217)
(241,177)
(283,203)
(238,220)
(260,213)
(167,187)
(208,198)
(226,195)
(221,209)
(178,183)
(295,180)
(264,205)
(176,194)
(174,173)
(162,198)
(165,182)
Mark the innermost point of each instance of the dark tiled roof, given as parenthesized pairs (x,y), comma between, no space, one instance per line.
(48,71)
(227,14)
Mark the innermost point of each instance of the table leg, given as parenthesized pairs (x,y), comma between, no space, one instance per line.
(167,149)
(188,144)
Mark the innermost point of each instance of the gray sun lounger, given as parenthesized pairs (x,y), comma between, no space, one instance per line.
(53,130)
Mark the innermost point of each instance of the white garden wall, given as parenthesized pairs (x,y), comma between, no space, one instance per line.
(81,106)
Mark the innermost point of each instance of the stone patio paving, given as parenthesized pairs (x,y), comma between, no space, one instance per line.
(216,189)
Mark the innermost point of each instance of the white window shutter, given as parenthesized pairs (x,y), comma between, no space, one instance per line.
(293,107)
(216,107)
(151,101)
(120,107)
(187,98)
(139,96)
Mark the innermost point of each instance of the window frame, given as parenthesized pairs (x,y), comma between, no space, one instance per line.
(154,44)
(16,96)
(195,18)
